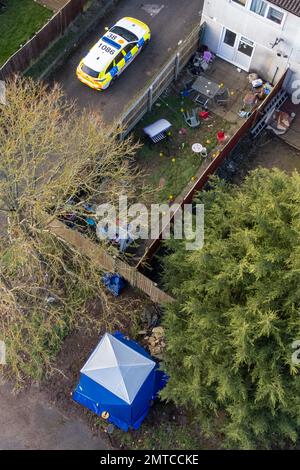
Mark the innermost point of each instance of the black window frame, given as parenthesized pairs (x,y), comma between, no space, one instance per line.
(119,57)
(110,67)
(129,47)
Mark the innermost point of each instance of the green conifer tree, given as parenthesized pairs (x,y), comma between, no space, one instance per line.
(237,313)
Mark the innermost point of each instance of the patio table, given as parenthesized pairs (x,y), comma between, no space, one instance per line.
(197,148)
(206,87)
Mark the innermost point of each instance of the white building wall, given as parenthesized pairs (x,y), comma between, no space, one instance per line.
(263,32)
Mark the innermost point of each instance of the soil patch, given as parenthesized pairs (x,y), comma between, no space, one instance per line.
(270,152)
(60,382)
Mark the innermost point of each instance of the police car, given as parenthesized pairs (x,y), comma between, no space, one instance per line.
(110,56)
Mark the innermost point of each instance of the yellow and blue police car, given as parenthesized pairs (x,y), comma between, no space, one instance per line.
(110,56)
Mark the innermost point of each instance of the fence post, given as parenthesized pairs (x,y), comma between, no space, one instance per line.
(61,21)
(177,62)
(150,98)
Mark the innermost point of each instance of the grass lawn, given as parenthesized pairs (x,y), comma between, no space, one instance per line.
(18,23)
(163,435)
(171,164)
(166,428)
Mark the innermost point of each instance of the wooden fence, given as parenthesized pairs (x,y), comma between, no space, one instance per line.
(108,263)
(144,101)
(51,31)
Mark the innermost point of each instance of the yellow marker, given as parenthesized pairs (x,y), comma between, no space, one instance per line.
(208,141)
(173,160)
(171,198)
(182,110)
(161,154)
(193,178)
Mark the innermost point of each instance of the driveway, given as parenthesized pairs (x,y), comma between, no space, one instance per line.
(170,21)
(28,421)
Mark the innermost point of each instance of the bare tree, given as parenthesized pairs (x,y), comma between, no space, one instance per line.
(51,154)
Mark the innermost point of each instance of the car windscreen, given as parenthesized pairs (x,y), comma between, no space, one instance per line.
(89,71)
(127,35)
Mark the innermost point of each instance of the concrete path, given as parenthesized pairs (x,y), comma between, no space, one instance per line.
(27,421)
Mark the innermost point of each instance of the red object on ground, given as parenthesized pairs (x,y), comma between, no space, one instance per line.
(204,114)
(221,136)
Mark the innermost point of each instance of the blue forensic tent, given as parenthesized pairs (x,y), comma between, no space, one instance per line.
(119,381)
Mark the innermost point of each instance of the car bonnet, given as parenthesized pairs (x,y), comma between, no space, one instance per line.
(103,52)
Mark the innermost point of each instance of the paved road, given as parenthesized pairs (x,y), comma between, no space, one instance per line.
(27,421)
(172,23)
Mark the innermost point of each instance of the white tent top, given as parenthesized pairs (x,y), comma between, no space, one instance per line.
(118,368)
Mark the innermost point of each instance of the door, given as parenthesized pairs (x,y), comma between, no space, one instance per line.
(120,62)
(227,47)
(244,53)
(236,49)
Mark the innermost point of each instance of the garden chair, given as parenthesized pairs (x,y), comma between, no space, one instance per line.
(191,119)
(202,100)
(222,98)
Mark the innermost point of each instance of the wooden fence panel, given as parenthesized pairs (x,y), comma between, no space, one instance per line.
(108,263)
(52,30)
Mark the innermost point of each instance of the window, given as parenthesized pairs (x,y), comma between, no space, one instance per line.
(259,7)
(119,57)
(128,35)
(262,8)
(240,2)
(229,38)
(89,71)
(246,46)
(275,15)
(127,49)
(109,67)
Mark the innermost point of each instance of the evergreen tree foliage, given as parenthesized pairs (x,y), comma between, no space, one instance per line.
(236,315)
